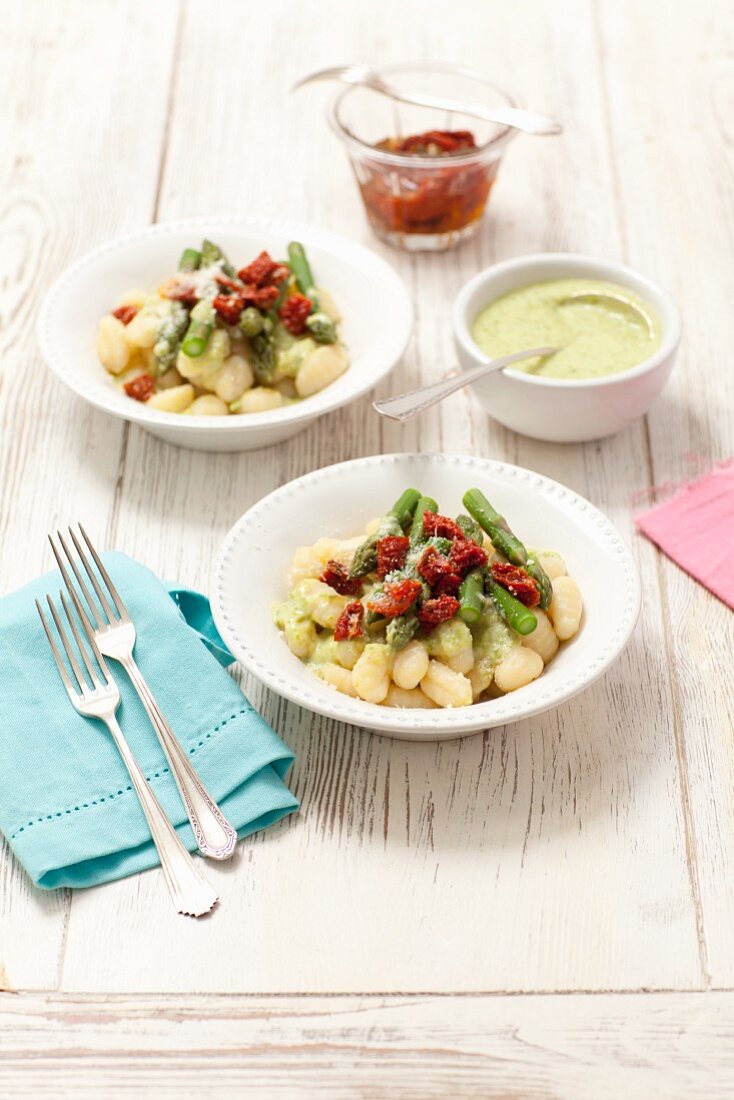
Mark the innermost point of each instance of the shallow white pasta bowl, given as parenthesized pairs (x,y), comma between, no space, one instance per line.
(252,566)
(376,309)
(557,409)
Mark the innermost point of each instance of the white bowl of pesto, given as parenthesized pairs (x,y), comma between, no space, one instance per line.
(377,319)
(251,577)
(610,365)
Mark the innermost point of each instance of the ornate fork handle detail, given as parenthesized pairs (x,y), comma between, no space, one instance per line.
(215,836)
(191,892)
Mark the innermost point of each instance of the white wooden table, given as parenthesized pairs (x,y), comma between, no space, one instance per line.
(546,910)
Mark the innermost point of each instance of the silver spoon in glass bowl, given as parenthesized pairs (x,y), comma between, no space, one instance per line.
(407,405)
(528,121)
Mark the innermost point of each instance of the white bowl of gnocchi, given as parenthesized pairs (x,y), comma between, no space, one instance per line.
(157,328)
(425,596)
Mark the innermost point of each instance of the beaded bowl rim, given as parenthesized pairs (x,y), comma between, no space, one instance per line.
(427,724)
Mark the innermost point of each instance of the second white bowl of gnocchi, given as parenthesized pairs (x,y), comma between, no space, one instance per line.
(425,596)
(225,334)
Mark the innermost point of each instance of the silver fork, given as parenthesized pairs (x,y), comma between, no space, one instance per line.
(190,891)
(115,636)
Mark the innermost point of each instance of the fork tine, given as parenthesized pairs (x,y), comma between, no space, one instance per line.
(103,573)
(69,651)
(89,631)
(93,578)
(67,579)
(57,656)
(80,645)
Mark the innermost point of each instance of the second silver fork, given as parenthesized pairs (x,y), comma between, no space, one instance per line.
(115,636)
(99,697)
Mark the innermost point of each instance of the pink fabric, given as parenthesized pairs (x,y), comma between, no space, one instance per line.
(696,529)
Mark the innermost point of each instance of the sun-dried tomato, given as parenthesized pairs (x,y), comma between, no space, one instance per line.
(448,585)
(467,554)
(261,296)
(337,577)
(445,141)
(395,598)
(293,313)
(125,313)
(227,284)
(177,291)
(392,550)
(264,271)
(439,572)
(229,307)
(141,388)
(349,624)
(438,610)
(433,524)
(517,581)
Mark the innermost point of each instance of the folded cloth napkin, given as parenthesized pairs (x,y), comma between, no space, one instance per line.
(696,529)
(67,807)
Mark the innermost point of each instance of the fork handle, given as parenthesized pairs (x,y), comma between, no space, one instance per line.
(214,835)
(189,889)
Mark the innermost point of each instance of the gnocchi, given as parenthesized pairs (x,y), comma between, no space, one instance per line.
(247,341)
(543,640)
(338,677)
(410,665)
(445,687)
(566,607)
(424,611)
(518,669)
(371,674)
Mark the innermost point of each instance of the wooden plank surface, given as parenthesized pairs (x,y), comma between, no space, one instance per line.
(589,849)
(674,160)
(660,1047)
(80,163)
(507,825)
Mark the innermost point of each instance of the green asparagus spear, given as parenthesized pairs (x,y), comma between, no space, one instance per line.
(190,260)
(471,596)
(251,321)
(319,324)
(401,630)
(405,506)
(170,334)
(211,253)
(515,614)
(543,581)
(393,523)
(507,543)
(496,527)
(263,350)
(471,529)
(263,342)
(299,265)
(417,532)
(201,326)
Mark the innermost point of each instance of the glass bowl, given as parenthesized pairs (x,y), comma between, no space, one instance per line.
(421,202)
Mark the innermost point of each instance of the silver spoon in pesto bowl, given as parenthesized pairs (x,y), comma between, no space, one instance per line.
(407,405)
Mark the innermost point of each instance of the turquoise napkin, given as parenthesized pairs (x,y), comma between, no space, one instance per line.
(67,807)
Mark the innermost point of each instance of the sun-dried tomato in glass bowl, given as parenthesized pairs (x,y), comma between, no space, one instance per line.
(429,201)
(425,186)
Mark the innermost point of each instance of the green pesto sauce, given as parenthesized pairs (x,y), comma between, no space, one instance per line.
(594,338)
